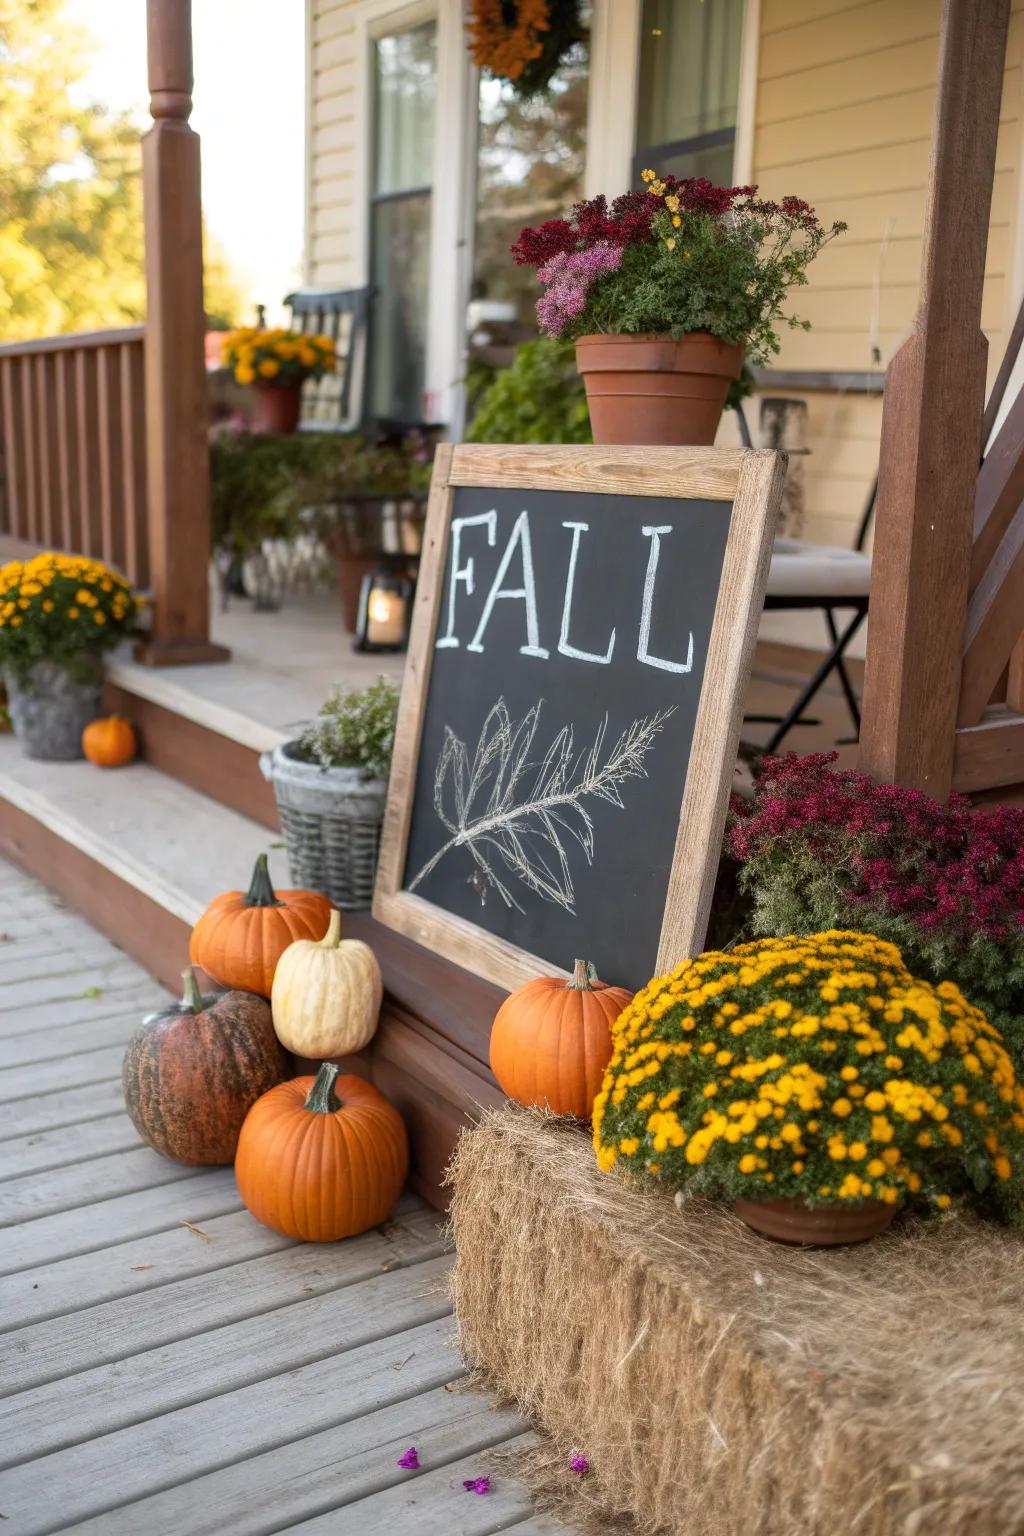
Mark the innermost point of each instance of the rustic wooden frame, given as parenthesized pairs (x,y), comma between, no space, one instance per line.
(752,482)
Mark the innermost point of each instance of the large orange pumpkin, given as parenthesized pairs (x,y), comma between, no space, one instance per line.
(194,1070)
(551,1040)
(316,1167)
(242,934)
(109,743)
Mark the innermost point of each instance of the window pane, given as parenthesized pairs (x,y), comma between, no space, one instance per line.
(400,274)
(689,70)
(714,162)
(530,168)
(405,94)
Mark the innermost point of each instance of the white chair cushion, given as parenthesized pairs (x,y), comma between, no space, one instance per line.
(803,570)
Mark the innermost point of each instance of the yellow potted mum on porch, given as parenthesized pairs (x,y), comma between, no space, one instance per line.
(275,364)
(818,1086)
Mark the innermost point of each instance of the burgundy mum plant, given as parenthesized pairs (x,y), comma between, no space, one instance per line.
(675,256)
(821,848)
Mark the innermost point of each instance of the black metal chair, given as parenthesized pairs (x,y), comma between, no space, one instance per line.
(337,402)
(830,579)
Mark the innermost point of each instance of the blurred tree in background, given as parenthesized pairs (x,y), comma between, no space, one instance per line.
(71,242)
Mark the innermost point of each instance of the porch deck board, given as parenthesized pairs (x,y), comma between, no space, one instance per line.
(162,1379)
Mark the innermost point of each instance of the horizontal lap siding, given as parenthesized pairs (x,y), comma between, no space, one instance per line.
(845,98)
(331,259)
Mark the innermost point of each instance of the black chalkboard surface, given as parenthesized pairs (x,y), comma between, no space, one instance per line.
(560,716)
(559,664)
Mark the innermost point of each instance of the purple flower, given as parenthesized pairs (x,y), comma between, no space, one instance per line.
(477,1484)
(410,1462)
(579,1463)
(568,279)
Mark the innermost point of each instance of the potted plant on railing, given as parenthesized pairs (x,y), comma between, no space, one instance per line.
(330,785)
(59,614)
(275,364)
(666,292)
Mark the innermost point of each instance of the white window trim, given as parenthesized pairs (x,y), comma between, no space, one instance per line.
(746,106)
(448,280)
(614,86)
(612,96)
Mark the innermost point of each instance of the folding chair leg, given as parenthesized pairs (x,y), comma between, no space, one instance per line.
(814,683)
(852,702)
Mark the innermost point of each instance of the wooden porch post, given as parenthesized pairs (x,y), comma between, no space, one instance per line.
(178,482)
(931,429)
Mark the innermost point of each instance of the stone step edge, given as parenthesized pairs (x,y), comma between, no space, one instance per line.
(42,809)
(148,683)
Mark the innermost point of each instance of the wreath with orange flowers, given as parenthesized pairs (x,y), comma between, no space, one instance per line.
(523,41)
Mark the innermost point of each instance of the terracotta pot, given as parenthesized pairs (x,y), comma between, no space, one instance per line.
(651,389)
(275,407)
(826,1226)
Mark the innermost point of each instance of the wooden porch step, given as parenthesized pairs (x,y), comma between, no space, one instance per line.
(140,854)
(201,742)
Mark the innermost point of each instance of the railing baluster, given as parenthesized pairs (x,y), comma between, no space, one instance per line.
(68,537)
(12,455)
(73,446)
(45,426)
(88,453)
(133,434)
(31,525)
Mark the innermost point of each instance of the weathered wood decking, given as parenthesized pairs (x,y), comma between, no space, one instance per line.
(169,1367)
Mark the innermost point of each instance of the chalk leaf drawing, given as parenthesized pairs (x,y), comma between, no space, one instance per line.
(521,818)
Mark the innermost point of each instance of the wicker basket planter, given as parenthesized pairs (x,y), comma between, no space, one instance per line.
(331,821)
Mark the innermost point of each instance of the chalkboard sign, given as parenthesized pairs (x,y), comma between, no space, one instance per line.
(571,709)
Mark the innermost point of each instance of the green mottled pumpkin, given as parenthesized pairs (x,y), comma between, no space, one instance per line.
(193,1071)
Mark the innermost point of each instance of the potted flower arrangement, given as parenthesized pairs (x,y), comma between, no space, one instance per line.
(276,364)
(821,848)
(665,292)
(59,614)
(816,1084)
(331,786)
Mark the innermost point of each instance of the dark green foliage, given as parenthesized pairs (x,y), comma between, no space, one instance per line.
(540,399)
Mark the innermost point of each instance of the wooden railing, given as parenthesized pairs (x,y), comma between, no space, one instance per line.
(73,447)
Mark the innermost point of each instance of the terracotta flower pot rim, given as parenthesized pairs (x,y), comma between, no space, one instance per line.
(821,1226)
(649,351)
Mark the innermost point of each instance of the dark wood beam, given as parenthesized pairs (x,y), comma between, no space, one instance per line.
(178,473)
(931,428)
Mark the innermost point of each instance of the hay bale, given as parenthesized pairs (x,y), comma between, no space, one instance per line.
(723,1385)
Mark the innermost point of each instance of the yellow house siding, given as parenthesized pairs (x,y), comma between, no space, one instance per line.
(331,258)
(843,117)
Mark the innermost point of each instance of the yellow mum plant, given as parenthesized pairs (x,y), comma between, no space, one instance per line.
(61,608)
(276,357)
(815,1069)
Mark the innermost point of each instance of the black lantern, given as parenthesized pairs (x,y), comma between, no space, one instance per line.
(385,610)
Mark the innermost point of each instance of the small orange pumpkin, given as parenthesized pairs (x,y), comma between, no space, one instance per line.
(242,934)
(551,1040)
(317,1168)
(109,742)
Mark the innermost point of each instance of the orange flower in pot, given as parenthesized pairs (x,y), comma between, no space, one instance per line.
(665,293)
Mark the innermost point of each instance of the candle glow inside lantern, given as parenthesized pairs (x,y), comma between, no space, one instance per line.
(385,608)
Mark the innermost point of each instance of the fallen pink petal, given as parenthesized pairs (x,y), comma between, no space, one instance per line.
(410,1461)
(477,1484)
(579,1463)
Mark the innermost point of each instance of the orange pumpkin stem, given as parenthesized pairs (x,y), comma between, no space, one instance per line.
(192,998)
(321,1098)
(261,891)
(583,978)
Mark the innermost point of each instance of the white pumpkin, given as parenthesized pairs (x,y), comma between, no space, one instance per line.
(326,995)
